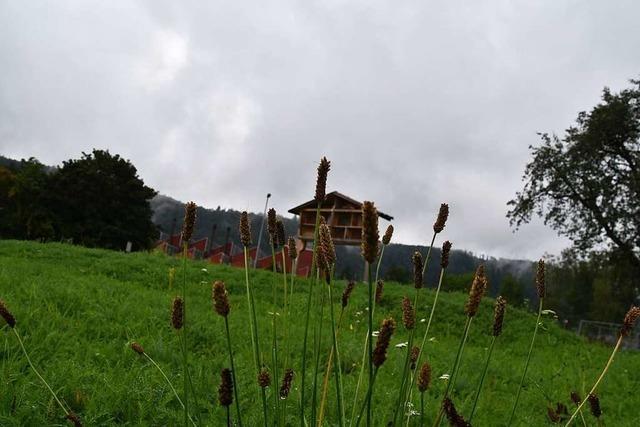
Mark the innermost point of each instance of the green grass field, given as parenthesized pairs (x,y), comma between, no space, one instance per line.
(77,309)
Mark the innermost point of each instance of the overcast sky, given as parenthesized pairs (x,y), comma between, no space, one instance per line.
(415,103)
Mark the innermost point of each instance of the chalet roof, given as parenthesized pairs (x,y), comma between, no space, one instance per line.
(312,204)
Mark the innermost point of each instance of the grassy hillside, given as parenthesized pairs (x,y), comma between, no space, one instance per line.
(78,309)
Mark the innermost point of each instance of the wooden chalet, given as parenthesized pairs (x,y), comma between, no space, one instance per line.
(342,213)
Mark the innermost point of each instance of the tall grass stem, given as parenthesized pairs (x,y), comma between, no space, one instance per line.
(185,356)
(526,365)
(484,373)
(452,377)
(233,370)
(595,386)
(337,367)
(175,393)
(426,334)
(253,324)
(428,256)
(26,355)
(371,376)
(307,315)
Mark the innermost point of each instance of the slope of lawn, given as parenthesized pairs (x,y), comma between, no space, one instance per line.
(77,309)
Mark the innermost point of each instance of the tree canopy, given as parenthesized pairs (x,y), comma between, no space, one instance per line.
(586,185)
(97,200)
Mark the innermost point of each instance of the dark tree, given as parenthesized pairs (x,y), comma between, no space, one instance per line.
(586,185)
(23,213)
(512,290)
(99,200)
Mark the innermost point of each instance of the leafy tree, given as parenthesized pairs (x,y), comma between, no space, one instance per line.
(22,200)
(396,273)
(457,282)
(511,290)
(586,185)
(99,200)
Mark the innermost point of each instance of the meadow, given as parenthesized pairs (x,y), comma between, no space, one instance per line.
(79,309)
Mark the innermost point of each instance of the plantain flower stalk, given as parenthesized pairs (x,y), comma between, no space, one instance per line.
(576,399)
(454,418)
(188,226)
(438,226)
(272,228)
(476,292)
(444,263)
(627,326)
(321,181)
(379,356)
(328,259)
(320,193)
(386,239)
(594,403)
(541,290)
(498,319)
(409,322)
(379,291)
(245,238)
(370,237)
(221,306)
(225,392)
(424,379)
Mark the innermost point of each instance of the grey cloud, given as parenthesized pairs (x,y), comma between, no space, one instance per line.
(222,102)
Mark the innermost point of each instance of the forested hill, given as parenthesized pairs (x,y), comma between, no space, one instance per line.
(396,262)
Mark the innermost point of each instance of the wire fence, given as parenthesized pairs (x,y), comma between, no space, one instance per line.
(608,333)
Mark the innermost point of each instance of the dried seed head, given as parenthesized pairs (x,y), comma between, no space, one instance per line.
(553,415)
(382,344)
(327,250)
(285,388)
(561,409)
(370,235)
(282,237)
(346,294)
(264,378)
(321,181)
(476,292)
(498,315)
(443,214)
(220,298)
(293,251)
(245,229)
(177,313)
(74,418)
(424,377)
(225,391)
(189,221)
(446,249)
(6,315)
(413,356)
(575,398)
(629,321)
(272,228)
(540,280)
(594,403)
(454,418)
(137,348)
(386,239)
(417,270)
(408,314)
(379,289)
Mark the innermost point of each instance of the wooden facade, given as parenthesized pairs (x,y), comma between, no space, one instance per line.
(342,213)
